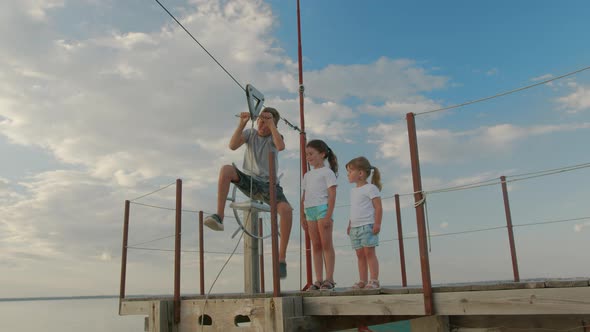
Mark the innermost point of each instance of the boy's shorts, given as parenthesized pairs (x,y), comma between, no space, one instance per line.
(260,189)
(362,236)
(316,213)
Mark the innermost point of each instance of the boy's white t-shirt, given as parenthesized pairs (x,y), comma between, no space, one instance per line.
(362,211)
(315,184)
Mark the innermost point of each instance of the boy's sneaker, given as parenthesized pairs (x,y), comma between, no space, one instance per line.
(214,222)
(283,270)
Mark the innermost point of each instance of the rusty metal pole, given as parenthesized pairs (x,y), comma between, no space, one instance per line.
(177,251)
(400,236)
(420,216)
(274,227)
(124,254)
(302,143)
(261,254)
(510,231)
(201,254)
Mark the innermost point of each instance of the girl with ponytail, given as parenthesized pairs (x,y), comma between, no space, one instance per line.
(319,197)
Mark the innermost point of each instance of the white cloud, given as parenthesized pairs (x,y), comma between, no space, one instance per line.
(37,9)
(578,228)
(492,72)
(415,104)
(577,101)
(542,77)
(386,79)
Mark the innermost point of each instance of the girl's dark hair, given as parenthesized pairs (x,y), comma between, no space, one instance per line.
(363,164)
(321,147)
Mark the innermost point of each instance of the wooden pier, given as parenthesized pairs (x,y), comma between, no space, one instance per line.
(515,306)
(501,306)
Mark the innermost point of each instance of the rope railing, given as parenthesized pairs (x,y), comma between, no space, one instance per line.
(388,241)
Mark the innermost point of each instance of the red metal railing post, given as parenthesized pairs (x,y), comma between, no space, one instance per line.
(261,254)
(201,254)
(400,235)
(177,251)
(420,216)
(302,143)
(510,231)
(124,254)
(274,227)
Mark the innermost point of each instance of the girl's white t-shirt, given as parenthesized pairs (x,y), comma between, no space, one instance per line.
(315,184)
(362,211)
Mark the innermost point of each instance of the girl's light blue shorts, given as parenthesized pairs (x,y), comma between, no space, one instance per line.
(316,213)
(362,236)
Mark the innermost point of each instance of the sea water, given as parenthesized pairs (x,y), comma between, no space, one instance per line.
(69,315)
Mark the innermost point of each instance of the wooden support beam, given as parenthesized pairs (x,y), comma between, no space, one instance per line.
(430,324)
(536,301)
(517,323)
(540,301)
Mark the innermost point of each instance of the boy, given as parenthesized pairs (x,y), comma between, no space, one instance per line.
(258,143)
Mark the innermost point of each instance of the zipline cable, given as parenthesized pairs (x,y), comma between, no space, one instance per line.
(203,47)
(287,122)
(503,93)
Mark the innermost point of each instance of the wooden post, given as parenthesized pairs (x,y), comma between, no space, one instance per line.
(400,236)
(177,251)
(124,254)
(420,216)
(201,255)
(274,227)
(251,264)
(510,231)
(261,252)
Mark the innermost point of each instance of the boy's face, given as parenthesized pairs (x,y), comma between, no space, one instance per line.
(264,121)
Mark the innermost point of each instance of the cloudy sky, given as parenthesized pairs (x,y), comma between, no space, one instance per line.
(103,101)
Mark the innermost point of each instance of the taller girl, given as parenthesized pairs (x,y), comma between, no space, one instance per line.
(366,213)
(319,197)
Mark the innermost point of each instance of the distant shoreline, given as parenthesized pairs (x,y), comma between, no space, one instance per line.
(53,298)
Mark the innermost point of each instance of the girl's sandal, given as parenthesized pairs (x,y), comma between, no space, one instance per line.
(315,286)
(328,285)
(373,284)
(359,285)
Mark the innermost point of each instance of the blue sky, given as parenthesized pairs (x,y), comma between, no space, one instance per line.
(103,101)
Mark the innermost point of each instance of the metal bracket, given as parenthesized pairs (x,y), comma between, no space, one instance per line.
(255,101)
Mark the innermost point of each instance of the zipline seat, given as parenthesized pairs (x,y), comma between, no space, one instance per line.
(252,205)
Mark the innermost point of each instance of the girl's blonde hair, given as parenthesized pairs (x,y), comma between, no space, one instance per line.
(363,164)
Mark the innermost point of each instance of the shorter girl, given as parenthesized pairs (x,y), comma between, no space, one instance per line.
(365,219)
(319,196)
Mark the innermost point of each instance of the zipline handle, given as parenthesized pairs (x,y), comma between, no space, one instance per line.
(255,101)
